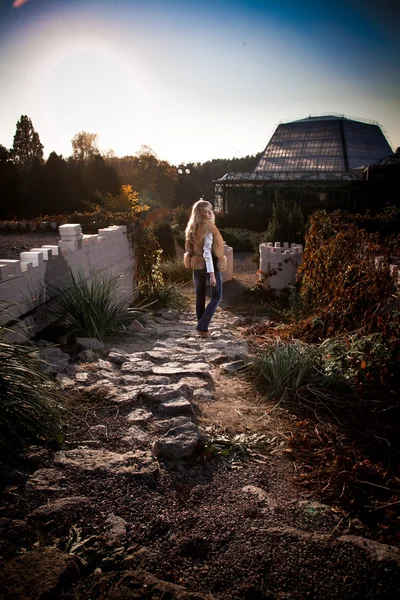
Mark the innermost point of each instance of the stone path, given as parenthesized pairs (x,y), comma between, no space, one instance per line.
(157,383)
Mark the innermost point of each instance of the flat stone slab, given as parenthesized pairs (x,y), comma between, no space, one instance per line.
(93,460)
(176,406)
(196,383)
(161,393)
(142,367)
(167,424)
(47,480)
(178,442)
(196,369)
(139,416)
(60,508)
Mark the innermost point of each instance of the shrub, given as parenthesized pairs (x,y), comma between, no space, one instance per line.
(179,235)
(240,240)
(89,308)
(346,283)
(166,296)
(175,271)
(28,403)
(181,216)
(164,235)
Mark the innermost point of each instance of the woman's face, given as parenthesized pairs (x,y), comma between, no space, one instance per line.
(206,213)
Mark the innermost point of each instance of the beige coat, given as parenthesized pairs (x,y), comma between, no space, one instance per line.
(193,258)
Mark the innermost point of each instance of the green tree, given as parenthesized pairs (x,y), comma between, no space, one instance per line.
(154,179)
(9,184)
(84,145)
(27,149)
(286,223)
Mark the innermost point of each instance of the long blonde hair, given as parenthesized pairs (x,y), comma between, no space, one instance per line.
(195,218)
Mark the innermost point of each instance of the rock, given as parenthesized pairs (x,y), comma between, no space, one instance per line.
(168,316)
(157,380)
(45,572)
(262,496)
(127,396)
(259,493)
(194,369)
(196,383)
(83,377)
(116,530)
(117,358)
(60,509)
(374,550)
(38,457)
(86,356)
(137,326)
(139,416)
(176,406)
(233,367)
(203,395)
(52,360)
(134,434)
(104,364)
(144,367)
(93,460)
(164,426)
(158,356)
(178,442)
(90,344)
(161,393)
(130,380)
(136,585)
(47,480)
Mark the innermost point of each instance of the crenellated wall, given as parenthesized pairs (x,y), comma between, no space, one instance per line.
(24,283)
(278,265)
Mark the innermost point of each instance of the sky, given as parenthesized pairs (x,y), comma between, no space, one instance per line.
(194,80)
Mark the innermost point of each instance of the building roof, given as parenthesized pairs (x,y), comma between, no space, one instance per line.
(333,143)
(242,177)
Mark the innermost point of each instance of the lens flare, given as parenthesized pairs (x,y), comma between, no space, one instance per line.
(19,3)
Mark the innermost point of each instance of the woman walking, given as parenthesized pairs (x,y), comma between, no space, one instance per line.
(204,253)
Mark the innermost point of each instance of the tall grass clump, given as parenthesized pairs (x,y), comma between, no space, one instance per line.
(296,374)
(90,307)
(29,403)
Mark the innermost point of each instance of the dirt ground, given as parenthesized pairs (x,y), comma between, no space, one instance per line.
(244,529)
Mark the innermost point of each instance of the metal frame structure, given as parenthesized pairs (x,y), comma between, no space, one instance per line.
(318,161)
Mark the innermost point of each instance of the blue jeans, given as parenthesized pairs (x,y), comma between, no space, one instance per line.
(205,314)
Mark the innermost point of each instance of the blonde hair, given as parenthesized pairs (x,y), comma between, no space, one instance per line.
(196,218)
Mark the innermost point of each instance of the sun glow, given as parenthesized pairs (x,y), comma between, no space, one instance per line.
(86,87)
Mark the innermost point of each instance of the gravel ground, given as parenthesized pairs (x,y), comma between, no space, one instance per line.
(240,533)
(12,244)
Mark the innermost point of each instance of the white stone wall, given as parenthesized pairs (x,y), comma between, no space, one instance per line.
(278,265)
(23,283)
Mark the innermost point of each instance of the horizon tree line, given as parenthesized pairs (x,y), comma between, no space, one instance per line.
(31,186)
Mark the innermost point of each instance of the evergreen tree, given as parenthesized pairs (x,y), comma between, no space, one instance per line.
(27,149)
(286,223)
(9,184)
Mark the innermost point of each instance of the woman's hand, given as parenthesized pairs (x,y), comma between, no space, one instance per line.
(213,281)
